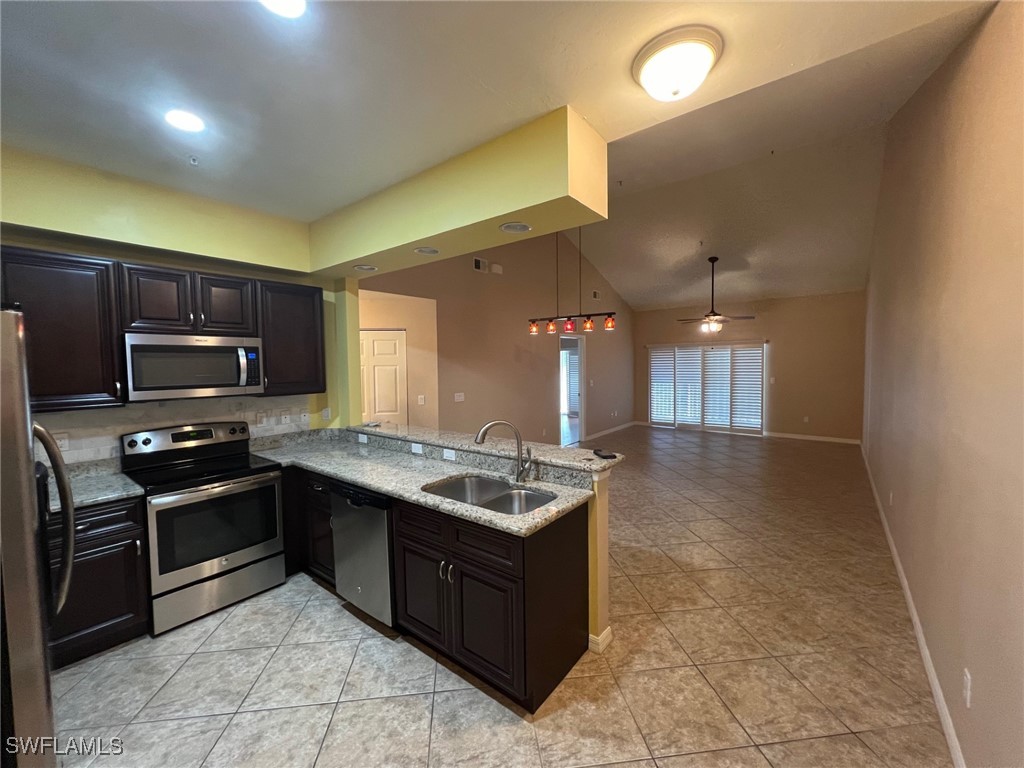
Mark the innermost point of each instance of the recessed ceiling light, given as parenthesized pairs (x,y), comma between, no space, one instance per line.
(365,267)
(290,9)
(185,121)
(426,250)
(673,65)
(515,227)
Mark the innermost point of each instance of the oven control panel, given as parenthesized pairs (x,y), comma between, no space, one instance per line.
(188,436)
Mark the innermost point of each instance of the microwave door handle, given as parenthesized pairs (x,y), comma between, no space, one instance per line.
(243,367)
(67,508)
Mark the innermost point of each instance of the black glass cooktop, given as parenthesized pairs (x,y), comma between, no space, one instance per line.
(191,474)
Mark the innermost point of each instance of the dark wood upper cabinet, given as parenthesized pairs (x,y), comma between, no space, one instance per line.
(226,305)
(71,327)
(291,325)
(156,299)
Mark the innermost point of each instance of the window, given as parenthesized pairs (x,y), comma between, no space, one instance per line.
(715,386)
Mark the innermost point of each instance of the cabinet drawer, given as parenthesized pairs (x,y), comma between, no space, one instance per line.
(417,523)
(100,520)
(488,547)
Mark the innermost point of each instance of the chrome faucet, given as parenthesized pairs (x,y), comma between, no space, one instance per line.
(522,465)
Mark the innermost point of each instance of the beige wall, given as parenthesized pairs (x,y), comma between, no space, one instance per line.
(484,349)
(418,318)
(945,383)
(815,353)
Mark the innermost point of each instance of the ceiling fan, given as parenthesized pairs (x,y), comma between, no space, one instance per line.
(712,321)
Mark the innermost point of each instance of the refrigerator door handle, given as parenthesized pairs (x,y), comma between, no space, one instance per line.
(67,509)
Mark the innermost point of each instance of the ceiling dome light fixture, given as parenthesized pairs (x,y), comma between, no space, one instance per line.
(673,65)
(289,9)
(185,121)
(515,227)
(426,250)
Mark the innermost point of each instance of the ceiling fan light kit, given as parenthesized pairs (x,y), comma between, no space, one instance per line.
(713,322)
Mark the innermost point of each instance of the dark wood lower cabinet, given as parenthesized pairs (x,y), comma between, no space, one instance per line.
(108,602)
(320,535)
(511,610)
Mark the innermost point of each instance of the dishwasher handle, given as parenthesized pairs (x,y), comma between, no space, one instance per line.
(357,497)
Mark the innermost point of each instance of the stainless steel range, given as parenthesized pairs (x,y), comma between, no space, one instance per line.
(214,516)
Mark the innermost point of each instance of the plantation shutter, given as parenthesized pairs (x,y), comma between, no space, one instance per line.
(663,386)
(747,380)
(716,386)
(688,385)
(573,372)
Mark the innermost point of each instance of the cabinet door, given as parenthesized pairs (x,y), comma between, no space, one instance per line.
(291,323)
(107,603)
(421,590)
(226,305)
(321,540)
(156,299)
(70,325)
(487,625)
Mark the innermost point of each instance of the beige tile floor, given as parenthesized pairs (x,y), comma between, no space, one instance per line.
(757,616)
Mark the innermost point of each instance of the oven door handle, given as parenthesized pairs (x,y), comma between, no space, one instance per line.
(191,496)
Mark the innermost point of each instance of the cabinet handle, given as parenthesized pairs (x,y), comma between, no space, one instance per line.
(117,389)
(138,548)
(317,488)
(440,571)
(332,522)
(82,527)
(450,574)
(191,317)
(202,319)
(266,382)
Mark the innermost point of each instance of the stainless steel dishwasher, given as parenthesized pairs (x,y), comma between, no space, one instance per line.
(362,549)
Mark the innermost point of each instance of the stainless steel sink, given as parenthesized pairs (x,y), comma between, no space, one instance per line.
(492,494)
(472,490)
(518,501)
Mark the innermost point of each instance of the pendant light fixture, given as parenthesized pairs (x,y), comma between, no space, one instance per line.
(569,321)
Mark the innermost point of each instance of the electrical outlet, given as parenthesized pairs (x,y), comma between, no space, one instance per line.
(421,399)
(325,414)
(63,441)
(967,688)
(771,380)
(448,454)
(460,397)
(363,438)
(544,432)
(806,419)
(286,417)
(304,417)
(417,448)
(261,419)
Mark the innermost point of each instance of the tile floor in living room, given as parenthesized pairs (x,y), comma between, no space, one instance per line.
(757,616)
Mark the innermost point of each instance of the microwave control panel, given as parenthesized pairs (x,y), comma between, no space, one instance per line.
(252,362)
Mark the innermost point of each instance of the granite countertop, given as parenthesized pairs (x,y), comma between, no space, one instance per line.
(95,482)
(500,442)
(402,476)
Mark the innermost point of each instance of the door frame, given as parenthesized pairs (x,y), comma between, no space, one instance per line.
(584,385)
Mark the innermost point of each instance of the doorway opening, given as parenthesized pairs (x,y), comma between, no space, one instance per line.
(571,376)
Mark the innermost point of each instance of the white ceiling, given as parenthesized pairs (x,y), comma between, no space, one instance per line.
(795,223)
(307,116)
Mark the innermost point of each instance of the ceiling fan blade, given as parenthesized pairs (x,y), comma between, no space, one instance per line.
(692,320)
(742,317)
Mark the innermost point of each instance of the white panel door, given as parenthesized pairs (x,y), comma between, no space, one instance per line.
(384,376)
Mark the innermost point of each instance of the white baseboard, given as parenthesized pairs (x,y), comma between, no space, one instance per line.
(604,432)
(819,438)
(933,679)
(599,643)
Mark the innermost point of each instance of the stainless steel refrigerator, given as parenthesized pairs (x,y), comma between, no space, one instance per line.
(28,602)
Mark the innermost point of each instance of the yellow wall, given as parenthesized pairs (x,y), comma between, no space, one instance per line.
(42,192)
(946,374)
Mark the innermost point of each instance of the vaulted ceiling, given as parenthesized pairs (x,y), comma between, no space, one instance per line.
(310,115)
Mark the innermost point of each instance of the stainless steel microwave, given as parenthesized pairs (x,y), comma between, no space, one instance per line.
(170,366)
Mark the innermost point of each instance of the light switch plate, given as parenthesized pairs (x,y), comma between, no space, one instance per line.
(363,438)
(261,419)
(417,448)
(325,414)
(421,399)
(460,397)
